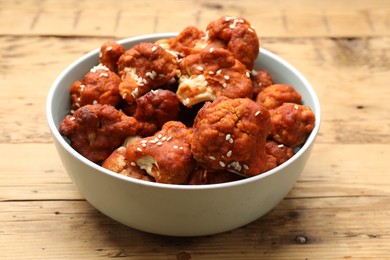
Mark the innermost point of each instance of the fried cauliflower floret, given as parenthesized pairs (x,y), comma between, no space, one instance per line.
(166,156)
(117,162)
(260,80)
(280,152)
(291,123)
(99,85)
(230,134)
(184,43)
(210,74)
(96,130)
(155,108)
(144,67)
(238,36)
(109,54)
(275,95)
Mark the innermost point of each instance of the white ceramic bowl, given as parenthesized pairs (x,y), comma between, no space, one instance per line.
(178,210)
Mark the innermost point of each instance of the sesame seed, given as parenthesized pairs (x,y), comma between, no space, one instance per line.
(181,147)
(77,104)
(154,91)
(135,93)
(211,72)
(254,73)
(227,137)
(139,149)
(211,50)
(199,68)
(124,95)
(103,74)
(226,77)
(248,74)
(154,48)
(236,166)
(175,147)
(280,145)
(94,102)
(169,138)
(133,164)
(222,164)
(109,48)
(159,136)
(260,84)
(140,84)
(99,67)
(186,101)
(219,72)
(246,167)
(143,145)
(82,87)
(72,118)
(159,143)
(224,85)
(296,107)
(229,153)
(251,30)
(231,140)
(212,158)
(163,138)
(257,113)
(155,140)
(72,111)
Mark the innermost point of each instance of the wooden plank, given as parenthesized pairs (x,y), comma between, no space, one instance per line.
(33,172)
(73,229)
(349,170)
(360,63)
(286,19)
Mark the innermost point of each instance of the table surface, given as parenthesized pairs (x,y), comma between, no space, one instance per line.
(338,209)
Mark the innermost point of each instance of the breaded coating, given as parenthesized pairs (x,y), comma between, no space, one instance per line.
(291,124)
(166,156)
(96,130)
(275,95)
(260,80)
(184,43)
(239,37)
(281,152)
(117,162)
(156,107)
(109,54)
(210,74)
(99,86)
(230,134)
(144,67)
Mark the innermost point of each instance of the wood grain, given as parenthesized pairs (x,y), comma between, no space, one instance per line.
(339,207)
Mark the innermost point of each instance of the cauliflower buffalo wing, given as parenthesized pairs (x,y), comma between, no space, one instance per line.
(291,123)
(96,130)
(210,74)
(144,67)
(230,134)
(99,86)
(166,156)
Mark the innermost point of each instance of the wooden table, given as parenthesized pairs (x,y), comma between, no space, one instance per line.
(339,208)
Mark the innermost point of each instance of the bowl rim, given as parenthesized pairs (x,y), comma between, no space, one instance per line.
(53,129)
